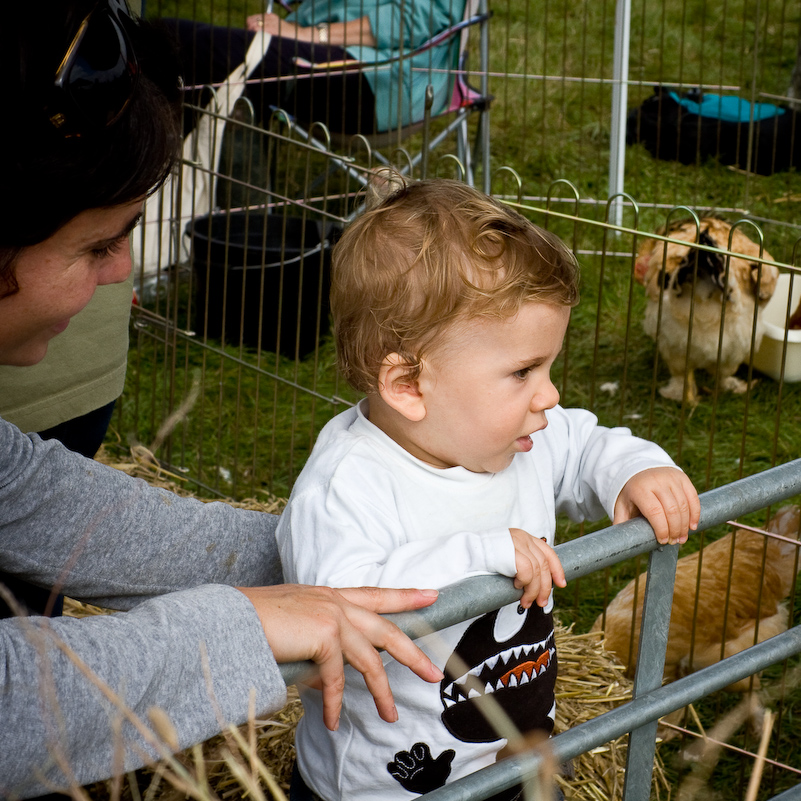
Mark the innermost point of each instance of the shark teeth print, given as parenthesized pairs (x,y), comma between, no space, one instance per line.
(511,668)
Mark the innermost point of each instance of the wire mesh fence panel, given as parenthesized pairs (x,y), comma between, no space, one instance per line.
(256,399)
(243,330)
(682,331)
(706,89)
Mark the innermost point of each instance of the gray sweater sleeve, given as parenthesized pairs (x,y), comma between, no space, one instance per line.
(190,644)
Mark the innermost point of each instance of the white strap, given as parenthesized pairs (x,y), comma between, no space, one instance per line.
(160,240)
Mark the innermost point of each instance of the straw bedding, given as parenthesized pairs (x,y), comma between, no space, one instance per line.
(256,760)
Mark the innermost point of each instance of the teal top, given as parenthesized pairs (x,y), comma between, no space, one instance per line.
(398,26)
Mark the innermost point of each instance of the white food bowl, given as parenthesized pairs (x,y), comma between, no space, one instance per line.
(768,359)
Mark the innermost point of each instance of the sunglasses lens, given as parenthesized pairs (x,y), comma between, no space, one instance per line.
(101,73)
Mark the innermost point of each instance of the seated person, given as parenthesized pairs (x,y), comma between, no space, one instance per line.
(379,97)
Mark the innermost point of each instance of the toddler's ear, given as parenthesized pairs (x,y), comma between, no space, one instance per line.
(399,390)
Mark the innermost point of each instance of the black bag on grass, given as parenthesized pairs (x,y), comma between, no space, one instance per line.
(695,126)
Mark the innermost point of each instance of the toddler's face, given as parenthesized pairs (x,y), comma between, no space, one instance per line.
(487,386)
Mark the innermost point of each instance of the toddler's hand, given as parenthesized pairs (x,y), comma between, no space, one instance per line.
(538,568)
(666,498)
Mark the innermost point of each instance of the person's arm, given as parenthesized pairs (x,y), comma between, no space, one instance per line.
(591,464)
(80,692)
(99,535)
(72,689)
(351,528)
(354,33)
(359,541)
(344,540)
(402,24)
(394,24)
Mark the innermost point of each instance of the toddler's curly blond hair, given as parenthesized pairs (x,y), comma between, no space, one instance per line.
(431,254)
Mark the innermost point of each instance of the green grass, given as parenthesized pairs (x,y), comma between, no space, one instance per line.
(247,432)
(218,12)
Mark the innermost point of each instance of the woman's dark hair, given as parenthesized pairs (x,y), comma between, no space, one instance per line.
(47,178)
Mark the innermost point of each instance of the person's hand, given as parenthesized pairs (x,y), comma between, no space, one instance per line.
(538,568)
(666,498)
(333,626)
(276,26)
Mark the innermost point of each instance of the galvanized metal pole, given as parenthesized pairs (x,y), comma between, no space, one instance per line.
(620,95)
(484,130)
(793,794)
(657,606)
(429,102)
(580,557)
(631,716)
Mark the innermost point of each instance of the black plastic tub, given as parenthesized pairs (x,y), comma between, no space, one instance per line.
(261,278)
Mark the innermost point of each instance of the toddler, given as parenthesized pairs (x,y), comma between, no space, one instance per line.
(449,312)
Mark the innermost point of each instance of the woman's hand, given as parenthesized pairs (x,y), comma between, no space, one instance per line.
(333,626)
(354,32)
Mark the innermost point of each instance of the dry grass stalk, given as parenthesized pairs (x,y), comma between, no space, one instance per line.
(759,764)
(706,752)
(703,755)
(143,464)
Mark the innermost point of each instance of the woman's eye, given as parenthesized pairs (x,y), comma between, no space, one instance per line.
(111,249)
(116,245)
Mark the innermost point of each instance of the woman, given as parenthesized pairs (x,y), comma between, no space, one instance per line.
(387,91)
(95,128)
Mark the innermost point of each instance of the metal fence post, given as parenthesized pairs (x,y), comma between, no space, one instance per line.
(657,605)
(620,90)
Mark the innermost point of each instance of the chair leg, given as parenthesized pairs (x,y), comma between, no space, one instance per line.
(481,150)
(463,152)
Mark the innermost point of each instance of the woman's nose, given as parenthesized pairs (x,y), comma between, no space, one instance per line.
(116,270)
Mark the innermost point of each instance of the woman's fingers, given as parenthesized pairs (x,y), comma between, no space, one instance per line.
(385,635)
(385,601)
(332,627)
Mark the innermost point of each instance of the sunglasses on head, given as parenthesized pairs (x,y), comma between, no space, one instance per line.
(97,76)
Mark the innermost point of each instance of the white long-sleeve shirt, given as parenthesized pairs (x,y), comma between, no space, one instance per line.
(366,512)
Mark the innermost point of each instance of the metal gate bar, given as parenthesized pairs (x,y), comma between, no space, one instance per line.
(482,594)
(628,717)
(657,605)
(600,549)
(793,794)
